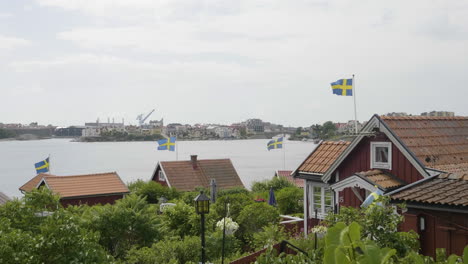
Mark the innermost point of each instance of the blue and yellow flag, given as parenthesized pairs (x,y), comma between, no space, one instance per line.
(275,143)
(42,166)
(167,144)
(343,87)
(371,198)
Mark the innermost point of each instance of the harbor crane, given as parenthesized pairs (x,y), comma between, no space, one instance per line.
(142,120)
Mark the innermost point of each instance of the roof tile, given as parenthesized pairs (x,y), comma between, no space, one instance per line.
(438,142)
(323,156)
(445,189)
(184,176)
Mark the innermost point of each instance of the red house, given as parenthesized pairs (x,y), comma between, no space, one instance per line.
(186,175)
(90,189)
(396,155)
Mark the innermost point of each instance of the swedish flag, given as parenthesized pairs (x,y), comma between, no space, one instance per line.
(371,198)
(42,166)
(167,144)
(343,87)
(275,143)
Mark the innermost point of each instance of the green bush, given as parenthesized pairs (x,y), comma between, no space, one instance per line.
(214,244)
(288,200)
(237,202)
(130,221)
(153,191)
(253,218)
(270,235)
(172,251)
(277,183)
(380,223)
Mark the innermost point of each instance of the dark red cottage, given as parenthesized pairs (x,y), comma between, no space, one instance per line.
(395,154)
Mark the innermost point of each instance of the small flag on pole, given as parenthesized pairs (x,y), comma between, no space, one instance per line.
(343,87)
(42,166)
(167,144)
(275,143)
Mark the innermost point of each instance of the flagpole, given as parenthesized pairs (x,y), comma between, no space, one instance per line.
(50,172)
(176,148)
(284,152)
(355,112)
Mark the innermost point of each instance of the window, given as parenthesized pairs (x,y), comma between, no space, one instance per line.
(321,200)
(381,155)
(161,176)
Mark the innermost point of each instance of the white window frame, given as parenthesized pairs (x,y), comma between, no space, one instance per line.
(161,176)
(381,165)
(321,213)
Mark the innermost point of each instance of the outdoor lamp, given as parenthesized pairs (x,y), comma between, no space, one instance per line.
(202,204)
(202,207)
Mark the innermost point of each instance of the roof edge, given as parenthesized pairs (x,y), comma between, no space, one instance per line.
(294,173)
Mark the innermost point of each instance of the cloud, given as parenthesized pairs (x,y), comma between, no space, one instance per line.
(7,43)
(5,15)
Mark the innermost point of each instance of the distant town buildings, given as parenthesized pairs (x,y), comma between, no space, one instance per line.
(438,113)
(97,128)
(396,114)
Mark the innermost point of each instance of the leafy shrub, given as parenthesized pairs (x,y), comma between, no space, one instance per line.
(233,190)
(270,235)
(237,202)
(214,244)
(130,221)
(380,223)
(254,217)
(172,251)
(288,200)
(277,183)
(153,191)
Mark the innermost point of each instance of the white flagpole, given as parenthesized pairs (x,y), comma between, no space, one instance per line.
(284,152)
(355,112)
(176,148)
(50,172)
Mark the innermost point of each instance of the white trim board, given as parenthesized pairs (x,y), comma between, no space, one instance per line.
(353,181)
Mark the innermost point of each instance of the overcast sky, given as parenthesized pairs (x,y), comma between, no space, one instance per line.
(66,62)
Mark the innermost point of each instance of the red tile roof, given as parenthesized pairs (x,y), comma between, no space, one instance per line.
(438,142)
(384,180)
(184,176)
(320,160)
(80,185)
(31,184)
(287,175)
(445,189)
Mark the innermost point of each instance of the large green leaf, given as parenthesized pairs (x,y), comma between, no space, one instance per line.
(465,255)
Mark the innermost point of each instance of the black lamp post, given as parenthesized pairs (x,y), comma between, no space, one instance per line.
(202,207)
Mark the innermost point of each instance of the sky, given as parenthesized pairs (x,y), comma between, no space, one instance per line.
(66,62)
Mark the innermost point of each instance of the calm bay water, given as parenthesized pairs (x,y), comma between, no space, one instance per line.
(137,160)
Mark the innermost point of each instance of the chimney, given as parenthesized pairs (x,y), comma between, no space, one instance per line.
(193,158)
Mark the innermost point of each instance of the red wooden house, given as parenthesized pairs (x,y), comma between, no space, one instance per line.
(393,154)
(186,175)
(90,189)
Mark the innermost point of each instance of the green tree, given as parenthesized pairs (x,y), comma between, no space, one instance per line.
(276,183)
(131,221)
(328,130)
(4,133)
(270,235)
(153,191)
(380,223)
(253,218)
(172,251)
(288,200)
